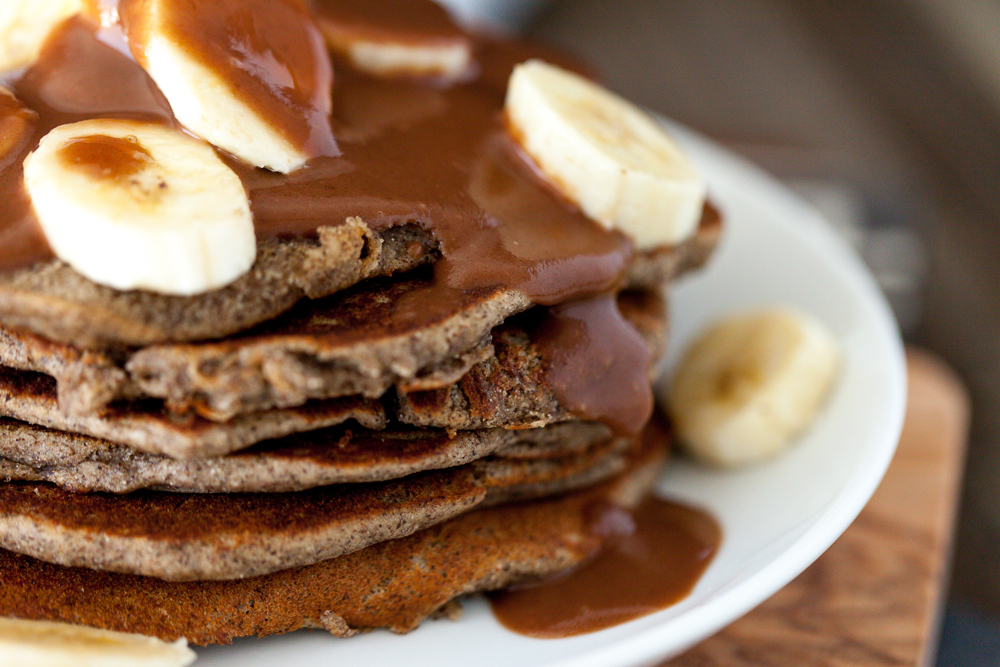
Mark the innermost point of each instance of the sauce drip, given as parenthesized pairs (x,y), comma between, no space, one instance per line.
(268,53)
(597,362)
(17,125)
(21,238)
(103,157)
(652,558)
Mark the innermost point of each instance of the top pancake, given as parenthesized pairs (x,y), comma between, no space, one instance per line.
(54,301)
(425,173)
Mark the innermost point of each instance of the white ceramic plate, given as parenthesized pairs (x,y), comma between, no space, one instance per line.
(777,518)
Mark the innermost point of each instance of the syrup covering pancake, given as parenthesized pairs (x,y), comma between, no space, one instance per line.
(429,328)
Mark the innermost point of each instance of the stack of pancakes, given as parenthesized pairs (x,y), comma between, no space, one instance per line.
(338,439)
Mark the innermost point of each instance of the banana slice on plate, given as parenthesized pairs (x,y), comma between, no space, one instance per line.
(141,206)
(24,25)
(605,154)
(750,384)
(252,77)
(48,644)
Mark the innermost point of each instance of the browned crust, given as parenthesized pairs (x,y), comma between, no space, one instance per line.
(338,455)
(183,537)
(393,585)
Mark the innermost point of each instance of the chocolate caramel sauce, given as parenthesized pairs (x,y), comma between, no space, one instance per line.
(78,77)
(102,157)
(651,559)
(268,53)
(17,126)
(21,239)
(410,152)
(597,362)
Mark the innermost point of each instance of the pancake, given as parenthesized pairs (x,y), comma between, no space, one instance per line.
(360,342)
(55,301)
(429,331)
(338,455)
(394,585)
(146,426)
(512,389)
(322,349)
(183,537)
(86,380)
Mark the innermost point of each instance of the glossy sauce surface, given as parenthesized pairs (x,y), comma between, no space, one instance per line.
(102,157)
(597,362)
(410,152)
(17,126)
(268,54)
(652,558)
(21,239)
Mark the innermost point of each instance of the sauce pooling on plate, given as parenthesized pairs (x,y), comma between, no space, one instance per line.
(652,557)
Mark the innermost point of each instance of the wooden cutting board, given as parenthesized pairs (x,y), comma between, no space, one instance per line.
(875,596)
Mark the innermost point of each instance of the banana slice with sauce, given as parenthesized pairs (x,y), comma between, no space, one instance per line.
(412,38)
(135,205)
(605,154)
(25,24)
(252,77)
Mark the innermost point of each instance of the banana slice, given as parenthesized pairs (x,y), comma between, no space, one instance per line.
(140,206)
(48,644)
(423,42)
(750,384)
(252,77)
(450,62)
(605,154)
(24,25)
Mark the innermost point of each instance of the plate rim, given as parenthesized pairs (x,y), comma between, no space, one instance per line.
(648,645)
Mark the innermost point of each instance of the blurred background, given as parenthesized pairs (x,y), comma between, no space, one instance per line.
(886,115)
